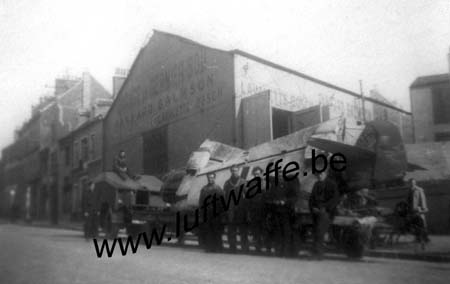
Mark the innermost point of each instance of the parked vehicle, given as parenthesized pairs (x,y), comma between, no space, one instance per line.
(131,204)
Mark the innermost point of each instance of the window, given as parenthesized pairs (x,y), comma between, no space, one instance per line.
(84,149)
(92,148)
(441,104)
(442,136)
(67,155)
(76,156)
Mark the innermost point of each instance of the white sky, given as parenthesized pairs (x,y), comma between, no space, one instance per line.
(387,44)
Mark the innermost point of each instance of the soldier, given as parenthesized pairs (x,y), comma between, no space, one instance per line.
(237,214)
(323,201)
(120,166)
(280,203)
(257,212)
(211,230)
(90,213)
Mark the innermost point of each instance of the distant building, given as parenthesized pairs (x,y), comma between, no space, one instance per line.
(430,107)
(401,120)
(31,161)
(118,79)
(81,153)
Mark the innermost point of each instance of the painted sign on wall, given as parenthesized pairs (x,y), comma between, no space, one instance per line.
(177,90)
(291,92)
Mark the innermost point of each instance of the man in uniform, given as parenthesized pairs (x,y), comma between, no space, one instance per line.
(120,166)
(237,214)
(280,203)
(417,202)
(211,230)
(257,212)
(323,201)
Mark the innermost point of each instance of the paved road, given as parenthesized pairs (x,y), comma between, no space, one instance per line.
(41,255)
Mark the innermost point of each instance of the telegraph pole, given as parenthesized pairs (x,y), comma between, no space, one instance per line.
(362,101)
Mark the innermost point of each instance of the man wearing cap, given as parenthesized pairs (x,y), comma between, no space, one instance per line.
(280,203)
(257,212)
(211,230)
(323,201)
(237,214)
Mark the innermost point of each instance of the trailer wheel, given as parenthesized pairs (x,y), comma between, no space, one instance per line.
(352,242)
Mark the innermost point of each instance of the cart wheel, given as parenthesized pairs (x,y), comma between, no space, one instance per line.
(352,242)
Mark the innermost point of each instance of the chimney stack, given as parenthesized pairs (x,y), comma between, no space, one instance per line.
(118,80)
(86,102)
(448,57)
(64,84)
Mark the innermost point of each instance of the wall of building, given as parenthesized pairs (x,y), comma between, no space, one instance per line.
(177,84)
(65,180)
(289,91)
(425,127)
(434,177)
(85,162)
(422,110)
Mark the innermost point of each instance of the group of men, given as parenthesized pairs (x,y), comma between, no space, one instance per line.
(269,217)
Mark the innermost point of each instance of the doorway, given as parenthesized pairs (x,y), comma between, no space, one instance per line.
(155,151)
(280,122)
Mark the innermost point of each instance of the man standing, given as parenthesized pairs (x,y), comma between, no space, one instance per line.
(237,213)
(280,203)
(211,230)
(418,205)
(90,213)
(323,201)
(257,212)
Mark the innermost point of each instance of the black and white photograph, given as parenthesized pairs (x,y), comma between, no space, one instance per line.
(194,142)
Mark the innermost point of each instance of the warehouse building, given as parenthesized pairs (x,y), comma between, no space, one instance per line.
(430,105)
(179,93)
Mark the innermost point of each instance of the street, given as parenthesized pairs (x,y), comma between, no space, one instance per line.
(44,255)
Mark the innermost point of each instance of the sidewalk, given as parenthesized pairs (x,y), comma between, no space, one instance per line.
(76,226)
(438,250)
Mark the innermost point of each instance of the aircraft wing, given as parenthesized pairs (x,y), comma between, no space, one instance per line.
(349,151)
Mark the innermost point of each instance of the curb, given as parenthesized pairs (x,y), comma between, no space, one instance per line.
(408,256)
